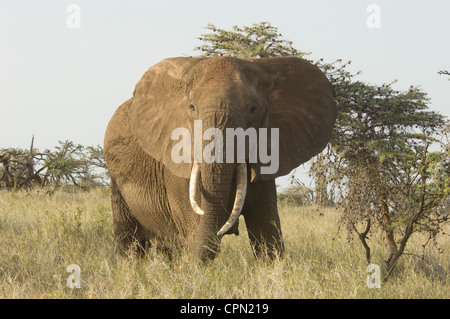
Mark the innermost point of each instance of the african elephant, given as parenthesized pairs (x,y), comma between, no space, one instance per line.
(194,203)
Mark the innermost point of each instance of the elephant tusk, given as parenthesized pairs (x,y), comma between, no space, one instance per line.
(193,188)
(241,191)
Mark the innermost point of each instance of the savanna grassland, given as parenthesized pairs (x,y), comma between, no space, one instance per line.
(40,235)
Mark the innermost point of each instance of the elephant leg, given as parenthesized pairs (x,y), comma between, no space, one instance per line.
(127,230)
(262,220)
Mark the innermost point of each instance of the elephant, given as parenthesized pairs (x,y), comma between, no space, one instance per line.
(194,203)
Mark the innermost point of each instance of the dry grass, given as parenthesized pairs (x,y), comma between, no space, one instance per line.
(41,235)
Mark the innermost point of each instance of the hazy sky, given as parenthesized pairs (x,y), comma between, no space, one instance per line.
(65,83)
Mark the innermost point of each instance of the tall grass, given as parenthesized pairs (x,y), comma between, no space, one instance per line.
(41,235)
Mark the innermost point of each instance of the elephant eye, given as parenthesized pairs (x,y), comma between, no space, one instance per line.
(253,109)
(191,107)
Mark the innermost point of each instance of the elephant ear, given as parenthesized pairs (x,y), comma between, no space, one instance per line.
(302,107)
(159,106)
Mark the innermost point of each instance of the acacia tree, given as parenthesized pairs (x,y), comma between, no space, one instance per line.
(260,40)
(68,164)
(18,168)
(380,160)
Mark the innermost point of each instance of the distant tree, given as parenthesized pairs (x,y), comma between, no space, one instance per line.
(69,164)
(96,161)
(297,194)
(261,40)
(18,168)
(14,173)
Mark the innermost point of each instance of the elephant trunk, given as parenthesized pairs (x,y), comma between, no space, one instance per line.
(223,187)
(241,191)
(216,220)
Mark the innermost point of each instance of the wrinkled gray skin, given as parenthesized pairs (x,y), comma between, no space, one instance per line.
(150,193)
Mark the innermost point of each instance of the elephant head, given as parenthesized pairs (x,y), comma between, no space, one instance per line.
(288,94)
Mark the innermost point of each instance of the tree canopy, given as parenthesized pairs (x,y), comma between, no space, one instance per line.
(257,41)
(69,164)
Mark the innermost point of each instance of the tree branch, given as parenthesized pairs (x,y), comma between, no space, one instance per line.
(362,237)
